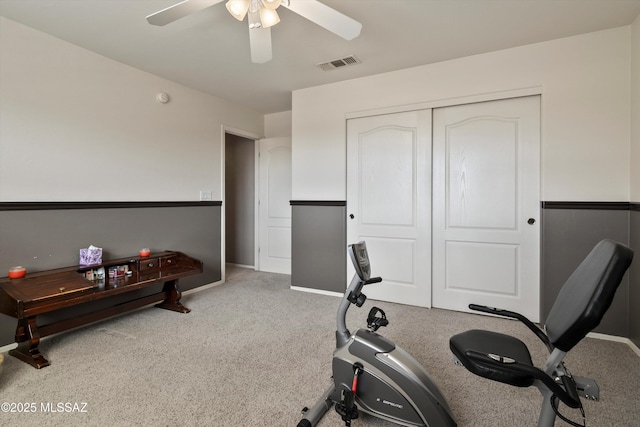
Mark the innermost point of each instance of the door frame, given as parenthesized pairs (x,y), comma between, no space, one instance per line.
(449,102)
(249,135)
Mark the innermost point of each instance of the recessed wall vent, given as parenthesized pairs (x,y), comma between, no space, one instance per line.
(339,63)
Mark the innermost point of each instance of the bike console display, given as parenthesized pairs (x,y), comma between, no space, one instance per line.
(360,260)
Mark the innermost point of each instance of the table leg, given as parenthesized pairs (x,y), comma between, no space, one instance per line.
(28,338)
(172,298)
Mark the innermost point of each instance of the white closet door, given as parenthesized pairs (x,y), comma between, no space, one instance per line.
(274,205)
(388,202)
(486,206)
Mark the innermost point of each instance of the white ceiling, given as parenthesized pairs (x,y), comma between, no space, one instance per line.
(209,50)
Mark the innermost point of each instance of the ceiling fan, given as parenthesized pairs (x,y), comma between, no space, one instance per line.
(262,15)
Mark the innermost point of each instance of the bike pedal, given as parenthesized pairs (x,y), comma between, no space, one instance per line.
(375,322)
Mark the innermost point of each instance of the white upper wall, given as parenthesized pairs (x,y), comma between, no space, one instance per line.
(77,126)
(635,111)
(277,125)
(585,86)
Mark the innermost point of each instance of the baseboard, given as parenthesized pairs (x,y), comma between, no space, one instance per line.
(6,348)
(241,265)
(316,291)
(634,347)
(615,338)
(203,287)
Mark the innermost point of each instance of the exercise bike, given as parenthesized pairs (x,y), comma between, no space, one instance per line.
(371,374)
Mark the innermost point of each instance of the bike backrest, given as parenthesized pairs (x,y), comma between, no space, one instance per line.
(360,259)
(587,294)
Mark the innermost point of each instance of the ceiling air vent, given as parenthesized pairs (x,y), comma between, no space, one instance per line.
(339,63)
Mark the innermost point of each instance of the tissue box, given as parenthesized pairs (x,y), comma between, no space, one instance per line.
(90,256)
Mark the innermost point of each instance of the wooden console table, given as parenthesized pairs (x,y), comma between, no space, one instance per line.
(54,290)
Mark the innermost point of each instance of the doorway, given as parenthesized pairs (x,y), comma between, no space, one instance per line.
(240,200)
(257,188)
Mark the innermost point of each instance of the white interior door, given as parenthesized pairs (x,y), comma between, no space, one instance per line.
(274,210)
(389,202)
(486,206)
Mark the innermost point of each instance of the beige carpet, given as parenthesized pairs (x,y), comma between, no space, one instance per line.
(253,353)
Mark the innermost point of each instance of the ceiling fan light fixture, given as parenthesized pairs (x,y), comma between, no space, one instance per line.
(262,16)
(271,4)
(269,17)
(238,8)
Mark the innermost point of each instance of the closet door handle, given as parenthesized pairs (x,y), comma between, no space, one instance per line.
(351,216)
(531,221)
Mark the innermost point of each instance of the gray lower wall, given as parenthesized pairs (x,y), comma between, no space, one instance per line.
(634,276)
(568,234)
(319,245)
(44,239)
(51,238)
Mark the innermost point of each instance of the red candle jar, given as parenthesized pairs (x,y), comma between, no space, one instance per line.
(17,272)
(145,252)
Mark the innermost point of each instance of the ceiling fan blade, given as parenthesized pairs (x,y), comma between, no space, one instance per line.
(260,41)
(177,11)
(328,18)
